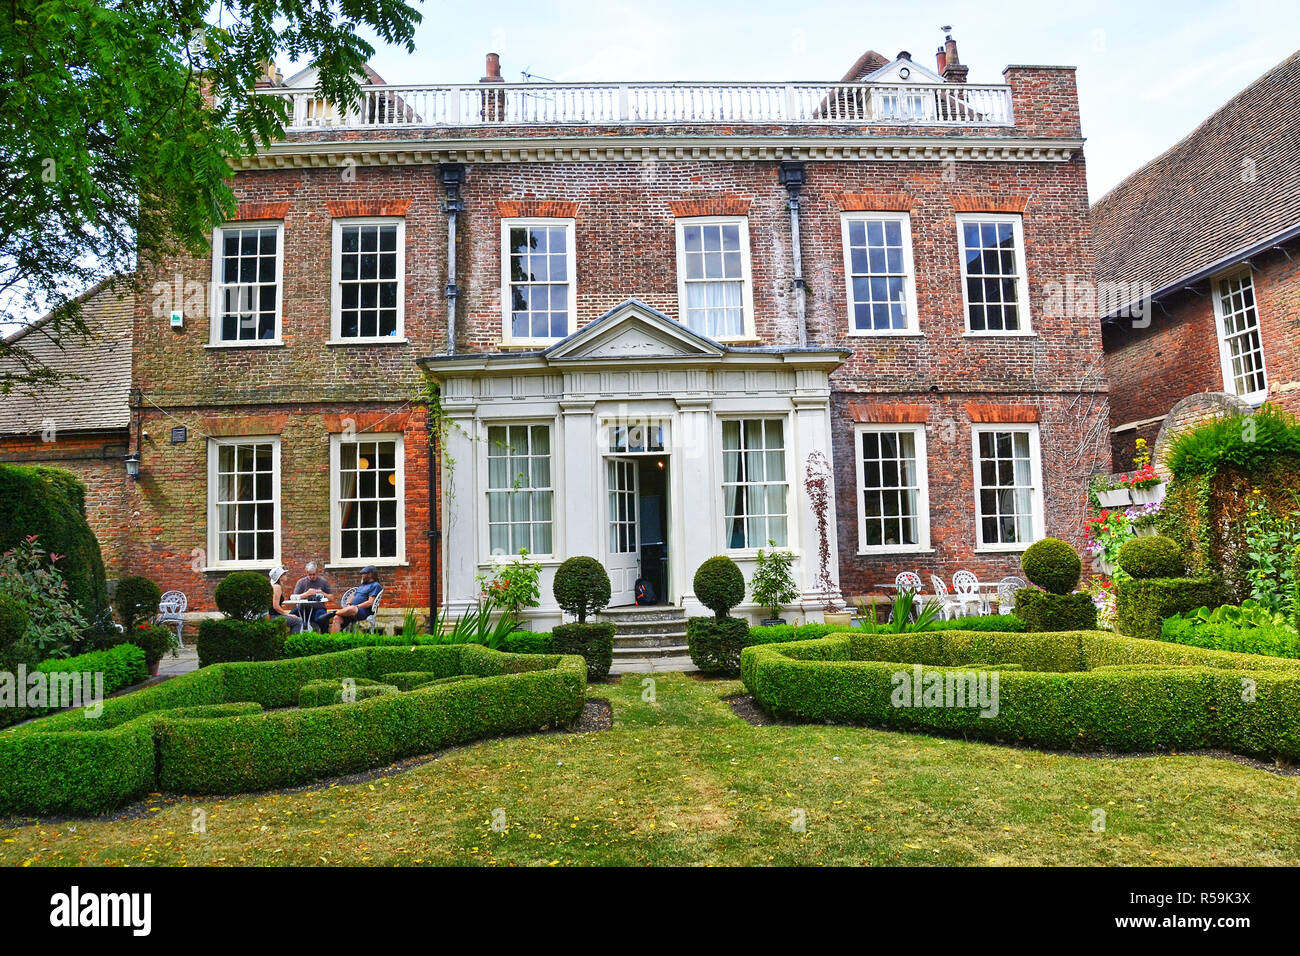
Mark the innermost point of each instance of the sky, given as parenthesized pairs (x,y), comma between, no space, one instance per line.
(1148,73)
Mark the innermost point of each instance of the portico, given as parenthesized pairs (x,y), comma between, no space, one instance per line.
(636,441)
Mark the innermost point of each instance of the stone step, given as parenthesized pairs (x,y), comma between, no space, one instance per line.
(677,639)
(636,653)
(650,627)
(621,617)
(653,665)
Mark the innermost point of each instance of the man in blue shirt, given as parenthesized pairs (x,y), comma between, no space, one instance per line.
(362,603)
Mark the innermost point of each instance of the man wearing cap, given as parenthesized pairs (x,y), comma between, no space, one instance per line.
(362,603)
(313,584)
(278,611)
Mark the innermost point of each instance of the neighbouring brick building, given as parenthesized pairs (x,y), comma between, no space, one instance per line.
(81,422)
(1205,240)
(666,303)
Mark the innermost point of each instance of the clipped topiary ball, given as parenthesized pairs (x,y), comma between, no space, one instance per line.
(244,596)
(1153,556)
(1053,565)
(719,585)
(136,599)
(581,587)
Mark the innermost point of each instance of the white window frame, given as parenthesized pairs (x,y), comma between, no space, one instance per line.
(922,518)
(1035,475)
(216,304)
(1022,275)
(214,535)
(913,326)
(336,280)
(746,266)
(556,489)
(791,507)
(1220,328)
(570,232)
(336,525)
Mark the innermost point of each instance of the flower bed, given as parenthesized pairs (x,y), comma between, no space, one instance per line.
(153,740)
(1082,689)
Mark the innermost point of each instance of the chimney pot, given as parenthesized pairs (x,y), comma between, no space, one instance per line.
(493,69)
(954,71)
(942,59)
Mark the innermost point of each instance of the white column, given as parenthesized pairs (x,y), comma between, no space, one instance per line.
(579,510)
(694,522)
(813,434)
(460,506)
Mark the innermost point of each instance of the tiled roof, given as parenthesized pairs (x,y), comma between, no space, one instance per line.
(96,400)
(1230,184)
(867,64)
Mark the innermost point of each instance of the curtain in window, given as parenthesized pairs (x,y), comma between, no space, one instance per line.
(715,308)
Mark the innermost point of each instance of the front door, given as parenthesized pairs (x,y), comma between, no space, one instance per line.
(624,559)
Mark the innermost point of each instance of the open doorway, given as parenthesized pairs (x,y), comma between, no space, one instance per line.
(636,493)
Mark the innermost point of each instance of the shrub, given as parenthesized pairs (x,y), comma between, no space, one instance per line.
(13,622)
(581,587)
(773,585)
(323,693)
(155,641)
(50,504)
(308,644)
(1269,640)
(512,586)
(1044,611)
(715,644)
(1142,606)
(136,599)
(784,633)
(244,596)
(1077,690)
(408,680)
(1222,442)
(122,666)
(236,640)
(1295,589)
(1053,565)
(30,576)
(594,643)
(154,740)
(1153,556)
(1000,623)
(719,585)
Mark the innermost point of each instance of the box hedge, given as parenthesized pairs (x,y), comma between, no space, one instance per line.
(308,644)
(1078,689)
(1272,641)
(1044,611)
(150,740)
(1142,606)
(222,641)
(715,644)
(592,642)
(122,666)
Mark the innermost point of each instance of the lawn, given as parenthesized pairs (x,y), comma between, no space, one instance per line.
(682,780)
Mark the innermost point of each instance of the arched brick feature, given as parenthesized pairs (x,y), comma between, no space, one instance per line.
(536,209)
(1191,411)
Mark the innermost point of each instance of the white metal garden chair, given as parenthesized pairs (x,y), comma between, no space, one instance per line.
(949,606)
(1007,589)
(370,624)
(171,610)
(908,581)
(967,590)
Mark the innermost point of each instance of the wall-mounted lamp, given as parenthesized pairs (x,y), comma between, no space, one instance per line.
(132,466)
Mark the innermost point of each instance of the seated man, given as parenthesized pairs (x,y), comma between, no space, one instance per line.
(314,584)
(362,603)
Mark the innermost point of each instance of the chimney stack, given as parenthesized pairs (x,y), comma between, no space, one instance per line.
(493,70)
(953,70)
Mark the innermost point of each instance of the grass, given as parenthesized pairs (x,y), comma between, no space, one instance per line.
(681,780)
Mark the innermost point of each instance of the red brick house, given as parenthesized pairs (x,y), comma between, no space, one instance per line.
(82,421)
(646,311)
(1199,248)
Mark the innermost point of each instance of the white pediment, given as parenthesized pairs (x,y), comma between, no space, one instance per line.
(634,330)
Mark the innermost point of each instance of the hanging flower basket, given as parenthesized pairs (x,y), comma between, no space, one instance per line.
(1149,494)
(1115,497)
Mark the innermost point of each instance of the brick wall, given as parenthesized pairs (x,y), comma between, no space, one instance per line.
(169,504)
(97,460)
(1151,369)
